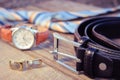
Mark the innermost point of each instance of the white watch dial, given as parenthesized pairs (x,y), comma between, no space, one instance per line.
(23,39)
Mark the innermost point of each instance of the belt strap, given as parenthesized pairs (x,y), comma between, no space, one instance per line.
(101,54)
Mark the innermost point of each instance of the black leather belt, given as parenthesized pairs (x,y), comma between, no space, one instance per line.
(100,49)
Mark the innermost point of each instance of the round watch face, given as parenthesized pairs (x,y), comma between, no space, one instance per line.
(23,39)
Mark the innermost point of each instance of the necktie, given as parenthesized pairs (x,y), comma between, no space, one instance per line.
(63,21)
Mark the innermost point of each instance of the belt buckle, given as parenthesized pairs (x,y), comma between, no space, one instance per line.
(56,53)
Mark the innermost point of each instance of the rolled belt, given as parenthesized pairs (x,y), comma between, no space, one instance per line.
(100,49)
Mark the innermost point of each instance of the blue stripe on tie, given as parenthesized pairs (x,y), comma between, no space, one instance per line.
(38,16)
(107,10)
(2,14)
(71,26)
(43,17)
(88,13)
(64,15)
(1,22)
(65,27)
(23,14)
(6,15)
(52,24)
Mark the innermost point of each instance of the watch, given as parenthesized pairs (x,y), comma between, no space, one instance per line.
(24,36)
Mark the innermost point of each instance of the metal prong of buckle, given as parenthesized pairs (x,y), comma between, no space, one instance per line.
(56,53)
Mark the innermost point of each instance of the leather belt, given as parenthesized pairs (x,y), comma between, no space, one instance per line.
(100,49)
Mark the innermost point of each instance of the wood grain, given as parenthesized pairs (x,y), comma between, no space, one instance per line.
(50,70)
(64,5)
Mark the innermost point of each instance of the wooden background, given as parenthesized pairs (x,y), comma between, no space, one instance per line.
(50,70)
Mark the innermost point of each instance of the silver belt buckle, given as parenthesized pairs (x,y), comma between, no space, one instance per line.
(56,52)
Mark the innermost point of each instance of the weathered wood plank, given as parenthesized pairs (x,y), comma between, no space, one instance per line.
(10,53)
(64,5)
(50,70)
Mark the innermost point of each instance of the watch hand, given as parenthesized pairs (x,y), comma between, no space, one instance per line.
(25,41)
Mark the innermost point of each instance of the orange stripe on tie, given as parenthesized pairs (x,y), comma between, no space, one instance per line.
(17,17)
(32,16)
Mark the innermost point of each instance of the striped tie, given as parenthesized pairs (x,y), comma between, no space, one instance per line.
(57,21)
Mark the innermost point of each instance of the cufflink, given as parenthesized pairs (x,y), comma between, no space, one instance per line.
(25,64)
(16,65)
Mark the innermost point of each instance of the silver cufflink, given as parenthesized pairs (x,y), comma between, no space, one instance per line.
(25,64)
(56,53)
